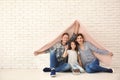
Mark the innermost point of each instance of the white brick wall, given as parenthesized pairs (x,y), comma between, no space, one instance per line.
(26,25)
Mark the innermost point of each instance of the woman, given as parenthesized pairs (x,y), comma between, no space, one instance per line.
(89,61)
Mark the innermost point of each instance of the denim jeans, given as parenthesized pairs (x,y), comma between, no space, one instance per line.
(59,66)
(77,66)
(94,67)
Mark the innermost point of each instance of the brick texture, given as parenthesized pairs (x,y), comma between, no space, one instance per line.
(26,25)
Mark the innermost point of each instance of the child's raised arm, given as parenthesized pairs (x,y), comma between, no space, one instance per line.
(65,52)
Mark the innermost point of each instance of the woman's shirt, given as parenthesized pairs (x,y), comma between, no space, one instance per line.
(87,54)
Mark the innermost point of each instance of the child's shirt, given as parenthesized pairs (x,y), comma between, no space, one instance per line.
(72,57)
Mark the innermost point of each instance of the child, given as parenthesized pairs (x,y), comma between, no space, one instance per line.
(73,58)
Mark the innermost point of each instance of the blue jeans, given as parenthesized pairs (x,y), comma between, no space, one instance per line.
(94,67)
(77,66)
(59,66)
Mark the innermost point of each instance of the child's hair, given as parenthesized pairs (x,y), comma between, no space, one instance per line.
(76,49)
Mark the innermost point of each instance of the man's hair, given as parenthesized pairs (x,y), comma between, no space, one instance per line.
(65,34)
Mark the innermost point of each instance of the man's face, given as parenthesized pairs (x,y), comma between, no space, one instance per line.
(65,38)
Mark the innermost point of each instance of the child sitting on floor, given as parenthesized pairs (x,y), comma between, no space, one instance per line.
(73,58)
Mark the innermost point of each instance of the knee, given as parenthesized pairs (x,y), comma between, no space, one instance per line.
(67,66)
(91,66)
(52,53)
(53,56)
(88,70)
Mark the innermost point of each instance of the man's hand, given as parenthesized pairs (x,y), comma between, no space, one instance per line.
(36,53)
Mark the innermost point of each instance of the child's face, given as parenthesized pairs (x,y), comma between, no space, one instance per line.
(65,38)
(73,46)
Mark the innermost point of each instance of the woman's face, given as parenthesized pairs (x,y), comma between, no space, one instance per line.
(73,46)
(80,39)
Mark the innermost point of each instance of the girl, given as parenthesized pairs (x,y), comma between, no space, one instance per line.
(73,57)
(90,62)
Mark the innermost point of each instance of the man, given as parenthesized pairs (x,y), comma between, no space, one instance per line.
(57,62)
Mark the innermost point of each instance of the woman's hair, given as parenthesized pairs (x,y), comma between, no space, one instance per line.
(80,34)
(65,34)
(69,47)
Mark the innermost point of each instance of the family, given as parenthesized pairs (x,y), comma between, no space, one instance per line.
(75,54)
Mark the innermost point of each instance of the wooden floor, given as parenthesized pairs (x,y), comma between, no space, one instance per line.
(37,74)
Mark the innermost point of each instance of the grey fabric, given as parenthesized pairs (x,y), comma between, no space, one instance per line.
(87,54)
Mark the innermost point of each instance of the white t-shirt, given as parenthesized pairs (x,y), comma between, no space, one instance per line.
(72,57)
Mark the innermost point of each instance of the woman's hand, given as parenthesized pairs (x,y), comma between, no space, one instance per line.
(111,54)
